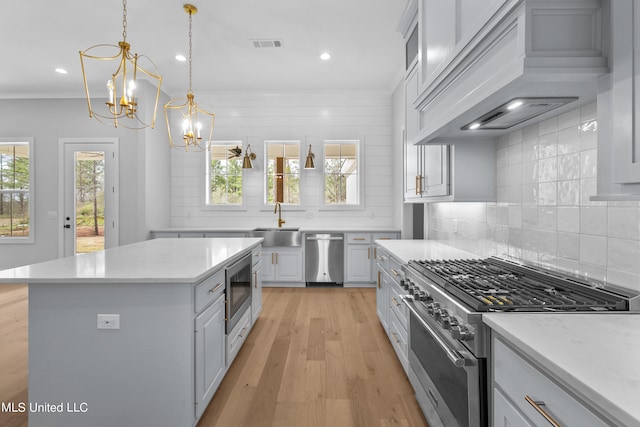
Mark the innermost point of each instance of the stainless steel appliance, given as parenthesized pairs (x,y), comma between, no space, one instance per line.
(324,258)
(449,344)
(238,291)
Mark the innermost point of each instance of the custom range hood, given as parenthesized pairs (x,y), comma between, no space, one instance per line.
(517,111)
(529,60)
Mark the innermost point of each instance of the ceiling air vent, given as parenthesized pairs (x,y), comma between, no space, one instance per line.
(259,44)
(517,111)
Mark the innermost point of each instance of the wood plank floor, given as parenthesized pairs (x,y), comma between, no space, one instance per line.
(316,357)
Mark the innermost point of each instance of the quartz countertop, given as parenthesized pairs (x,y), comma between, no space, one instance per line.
(151,261)
(330,229)
(597,356)
(406,250)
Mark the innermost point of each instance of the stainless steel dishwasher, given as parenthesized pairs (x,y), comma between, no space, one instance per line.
(324,258)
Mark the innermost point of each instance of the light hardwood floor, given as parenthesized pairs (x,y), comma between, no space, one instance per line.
(316,357)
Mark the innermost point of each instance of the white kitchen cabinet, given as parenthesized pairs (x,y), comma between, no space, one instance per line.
(360,255)
(282,264)
(515,379)
(382,288)
(438,35)
(210,352)
(256,278)
(618,109)
(237,336)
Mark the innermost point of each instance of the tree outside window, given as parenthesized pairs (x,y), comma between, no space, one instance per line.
(283,172)
(15,175)
(225,174)
(341,174)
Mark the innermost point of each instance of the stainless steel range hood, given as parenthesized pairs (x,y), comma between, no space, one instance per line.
(516,111)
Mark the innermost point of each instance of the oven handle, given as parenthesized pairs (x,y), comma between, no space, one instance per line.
(457,360)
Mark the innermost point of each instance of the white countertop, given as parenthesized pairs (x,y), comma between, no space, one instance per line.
(406,250)
(333,228)
(597,356)
(151,261)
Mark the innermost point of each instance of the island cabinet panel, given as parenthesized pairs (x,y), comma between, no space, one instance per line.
(210,353)
(256,291)
(207,291)
(531,395)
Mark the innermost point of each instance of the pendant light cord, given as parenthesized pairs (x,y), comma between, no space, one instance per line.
(190,90)
(124,20)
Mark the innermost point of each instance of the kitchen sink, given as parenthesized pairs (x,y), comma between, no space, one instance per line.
(274,236)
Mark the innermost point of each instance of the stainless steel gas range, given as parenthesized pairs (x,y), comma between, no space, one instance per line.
(450,345)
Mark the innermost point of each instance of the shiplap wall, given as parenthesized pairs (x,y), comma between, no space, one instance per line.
(310,118)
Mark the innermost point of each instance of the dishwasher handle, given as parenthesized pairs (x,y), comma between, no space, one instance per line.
(324,238)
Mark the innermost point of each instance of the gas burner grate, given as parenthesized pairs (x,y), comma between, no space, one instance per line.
(497,285)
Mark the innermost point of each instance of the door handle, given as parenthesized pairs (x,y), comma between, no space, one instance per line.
(255,279)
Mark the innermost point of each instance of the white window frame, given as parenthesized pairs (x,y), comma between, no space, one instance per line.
(207,201)
(360,175)
(31,237)
(265,189)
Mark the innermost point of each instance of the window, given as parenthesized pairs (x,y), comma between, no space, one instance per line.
(16,182)
(224,176)
(283,172)
(341,173)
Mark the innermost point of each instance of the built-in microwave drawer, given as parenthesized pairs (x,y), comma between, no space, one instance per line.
(208,290)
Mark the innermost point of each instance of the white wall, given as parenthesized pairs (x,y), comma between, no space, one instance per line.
(545,175)
(310,118)
(47,120)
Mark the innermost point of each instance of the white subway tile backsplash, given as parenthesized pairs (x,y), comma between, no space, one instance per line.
(548,126)
(548,145)
(593,221)
(569,193)
(569,119)
(546,173)
(589,163)
(548,193)
(569,166)
(548,169)
(624,223)
(593,250)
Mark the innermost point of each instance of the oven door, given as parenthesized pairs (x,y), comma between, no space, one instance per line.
(238,280)
(451,378)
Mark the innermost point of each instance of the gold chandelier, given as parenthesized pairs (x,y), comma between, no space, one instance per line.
(121,107)
(196,122)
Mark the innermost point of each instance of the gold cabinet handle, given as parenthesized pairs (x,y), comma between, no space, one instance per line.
(379,280)
(417,184)
(212,290)
(393,300)
(359,238)
(241,334)
(255,279)
(368,253)
(272,258)
(276,257)
(395,273)
(395,337)
(537,405)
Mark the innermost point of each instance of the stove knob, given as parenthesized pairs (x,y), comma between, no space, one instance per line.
(430,308)
(405,284)
(461,333)
(437,313)
(444,315)
(423,296)
(449,322)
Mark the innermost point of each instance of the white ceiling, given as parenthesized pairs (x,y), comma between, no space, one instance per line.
(367,52)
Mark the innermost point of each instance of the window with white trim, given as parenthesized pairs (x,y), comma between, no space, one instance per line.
(16,186)
(224,174)
(282,172)
(341,169)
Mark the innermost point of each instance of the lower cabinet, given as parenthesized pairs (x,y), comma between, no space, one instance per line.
(210,352)
(525,396)
(360,257)
(256,291)
(237,336)
(282,264)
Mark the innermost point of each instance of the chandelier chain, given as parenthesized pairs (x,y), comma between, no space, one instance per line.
(190,15)
(124,20)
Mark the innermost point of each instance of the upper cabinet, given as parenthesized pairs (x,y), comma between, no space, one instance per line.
(475,56)
(619,108)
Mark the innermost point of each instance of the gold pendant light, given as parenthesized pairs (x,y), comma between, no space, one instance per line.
(309,163)
(196,123)
(121,89)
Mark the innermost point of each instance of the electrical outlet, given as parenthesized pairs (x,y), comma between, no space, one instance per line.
(108,321)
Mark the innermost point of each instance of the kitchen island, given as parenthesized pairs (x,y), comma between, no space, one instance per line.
(142,371)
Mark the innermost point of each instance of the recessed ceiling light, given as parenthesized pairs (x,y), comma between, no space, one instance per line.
(514,105)
(181,58)
(61,71)
(474,126)
(325,56)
